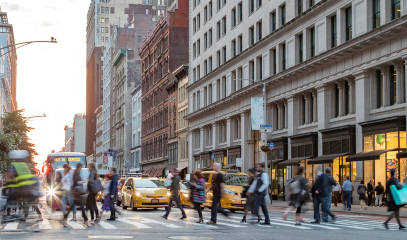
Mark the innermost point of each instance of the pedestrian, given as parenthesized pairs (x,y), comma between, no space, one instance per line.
(260,188)
(362,195)
(174,190)
(67,198)
(218,192)
(370,192)
(249,206)
(93,189)
(391,206)
(113,194)
(79,195)
(336,194)
(106,195)
(316,200)
(323,191)
(198,192)
(297,195)
(379,189)
(347,188)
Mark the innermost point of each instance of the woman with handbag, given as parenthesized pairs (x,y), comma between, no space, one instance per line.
(198,192)
(79,195)
(249,198)
(94,186)
(67,197)
(391,206)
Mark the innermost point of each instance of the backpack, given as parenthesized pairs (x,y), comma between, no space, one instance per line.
(293,186)
(361,190)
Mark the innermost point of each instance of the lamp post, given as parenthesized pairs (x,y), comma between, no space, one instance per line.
(37,116)
(23,44)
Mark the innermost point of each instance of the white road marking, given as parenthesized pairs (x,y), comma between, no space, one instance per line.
(165,224)
(131,222)
(75,225)
(11,226)
(45,225)
(307,224)
(226,224)
(286,225)
(106,225)
(193,223)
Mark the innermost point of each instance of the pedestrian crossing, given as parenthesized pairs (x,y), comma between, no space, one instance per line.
(148,222)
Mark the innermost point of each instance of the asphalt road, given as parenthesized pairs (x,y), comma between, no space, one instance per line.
(148,224)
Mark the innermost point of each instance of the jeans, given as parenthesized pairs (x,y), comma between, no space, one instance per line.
(72,206)
(68,197)
(317,203)
(176,199)
(216,207)
(261,202)
(92,206)
(326,208)
(347,198)
(379,200)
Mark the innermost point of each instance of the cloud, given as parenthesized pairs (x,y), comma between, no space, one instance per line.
(13,7)
(47,24)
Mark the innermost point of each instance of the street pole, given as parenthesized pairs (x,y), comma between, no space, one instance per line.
(264,139)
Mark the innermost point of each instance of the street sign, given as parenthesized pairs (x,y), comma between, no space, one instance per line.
(266,128)
(239,162)
(271,145)
(212,155)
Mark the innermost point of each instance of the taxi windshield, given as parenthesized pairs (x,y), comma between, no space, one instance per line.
(235,179)
(147,183)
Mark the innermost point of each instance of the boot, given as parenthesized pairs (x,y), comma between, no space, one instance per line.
(243,219)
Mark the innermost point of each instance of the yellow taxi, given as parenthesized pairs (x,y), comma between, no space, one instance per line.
(139,192)
(185,196)
(234,182)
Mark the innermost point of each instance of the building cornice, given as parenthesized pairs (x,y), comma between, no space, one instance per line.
(357,44)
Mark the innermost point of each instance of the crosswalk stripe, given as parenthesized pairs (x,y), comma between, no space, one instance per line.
(11,226)
(165,224)
(193,223)
(286,225)
(339,224)
(45,225)
(75,225)
(106,225)
(131,222)
(226,224)
(307,224)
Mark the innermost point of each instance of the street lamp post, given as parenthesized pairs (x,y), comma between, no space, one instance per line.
(23,44)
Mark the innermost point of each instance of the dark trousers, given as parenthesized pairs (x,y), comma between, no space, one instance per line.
(92,206)
(326,208)
(317,202)
(198,208)
(176,199)
(71,206)
(347,199)
(396,214)
(369,198)
(216,207)
(336,198)
(113,207)
(260,202)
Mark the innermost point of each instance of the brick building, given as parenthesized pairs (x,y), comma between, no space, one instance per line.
(162,52)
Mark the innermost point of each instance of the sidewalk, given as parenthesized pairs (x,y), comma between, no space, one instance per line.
(378,211)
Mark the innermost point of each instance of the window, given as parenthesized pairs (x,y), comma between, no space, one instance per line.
(194,50)
(210,94)
(198,100)
(205,67)
(376,13)
(210,12)
(303,109)
(312,41)
(259,30)
(337,100)
(240,43)
(223,26)
(194,74)
(223,54)
(347,100)
(198,21)
(233,20)
(259,68)
(379,89)
(283,57)
(273,21)
(218,89)
(299,7)
(218,30)
(348,23)
(282,15)
(233,79)
(210,64)
(198,47)
(219,4)
(198,72)
(333,31)
(210,38)
(222,132)
(205,14)
(251,71)
(273,61)
(395,9)
(233,48)
(240,78)
(251,6)
(194,25)
(300,48)
(112,10)
(392,85)
(205,41)
(236,128)
(218,58)
(223,87)
(251,35)
(311,3)
(240,12)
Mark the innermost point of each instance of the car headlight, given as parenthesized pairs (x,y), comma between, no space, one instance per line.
(168,194)
(138,194)
(229,191)
(51,192)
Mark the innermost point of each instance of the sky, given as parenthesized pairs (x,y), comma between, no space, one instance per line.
(51,78)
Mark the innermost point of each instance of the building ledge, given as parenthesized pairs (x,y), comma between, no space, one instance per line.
(386,109)
(342,118)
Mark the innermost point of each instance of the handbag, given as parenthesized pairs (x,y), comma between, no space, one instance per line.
(95,186)
(399,195)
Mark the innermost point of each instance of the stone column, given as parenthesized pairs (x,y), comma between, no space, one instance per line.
(315,106)
(385,84)
(322,93)
(307,108)
(399,83)
(293,116)
(190,152)
(341,87)
(279,118)
(286,114)
(201,139)
(214,135)
(228,132)
(351,96)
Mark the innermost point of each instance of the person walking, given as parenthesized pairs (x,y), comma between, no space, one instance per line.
(259,188)
(79,195)
(297,190)
(379,189)
(249,198)
(67,198)
(362,195)
(113,194)
(198,192)
(106,195)
(93,189)
(316,200)
(370,192)
(323,191)
(174,189)
(347,188)
(218,191)
(336,194)
(391,206)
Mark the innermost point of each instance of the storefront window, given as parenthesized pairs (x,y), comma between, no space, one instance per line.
(379,142)
(368,170)
(391,163)
(308,172)
(403,169)
(368,144)
(392,140)
(335,169)
(402,139)
(380,165)
(353,171)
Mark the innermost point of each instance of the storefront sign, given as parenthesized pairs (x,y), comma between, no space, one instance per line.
(256,112)
(239,162)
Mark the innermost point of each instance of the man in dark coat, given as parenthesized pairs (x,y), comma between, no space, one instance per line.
(113,195)
(323,190)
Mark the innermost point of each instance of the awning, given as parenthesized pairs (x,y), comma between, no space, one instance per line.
(402,154)
(325,158)
(373,155)
(275,161)
(293,161)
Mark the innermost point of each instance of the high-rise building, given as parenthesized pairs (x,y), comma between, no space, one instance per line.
(8,66)
(162,52)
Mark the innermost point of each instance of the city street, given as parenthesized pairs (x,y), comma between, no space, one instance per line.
(148,224)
